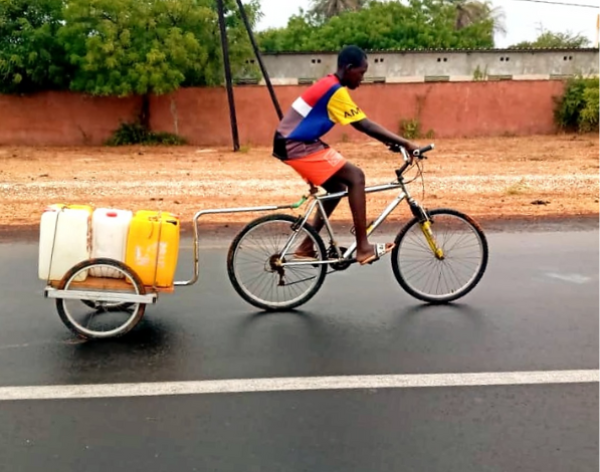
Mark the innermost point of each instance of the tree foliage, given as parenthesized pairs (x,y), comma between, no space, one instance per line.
(549,39)
(117,47)
(578,108)
(382,25)
(31,57)
(123,47)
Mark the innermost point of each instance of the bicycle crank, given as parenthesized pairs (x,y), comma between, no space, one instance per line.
(333,254)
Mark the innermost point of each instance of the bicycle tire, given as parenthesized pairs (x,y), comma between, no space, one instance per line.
(403,264)
(241,287)
(85,332)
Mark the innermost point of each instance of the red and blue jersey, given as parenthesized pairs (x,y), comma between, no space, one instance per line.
(311,116)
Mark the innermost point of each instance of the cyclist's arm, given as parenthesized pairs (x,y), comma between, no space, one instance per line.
(378,132)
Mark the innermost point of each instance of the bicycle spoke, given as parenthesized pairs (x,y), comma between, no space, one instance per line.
(428,277)
(256,264)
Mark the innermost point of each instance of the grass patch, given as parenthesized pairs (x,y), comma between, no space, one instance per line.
(518,188)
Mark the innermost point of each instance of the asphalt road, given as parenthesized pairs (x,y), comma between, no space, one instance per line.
(536,311)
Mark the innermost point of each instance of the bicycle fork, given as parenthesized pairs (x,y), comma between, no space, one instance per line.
(425,225)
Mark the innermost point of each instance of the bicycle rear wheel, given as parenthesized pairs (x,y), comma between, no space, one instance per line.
(447,276)
(253,264)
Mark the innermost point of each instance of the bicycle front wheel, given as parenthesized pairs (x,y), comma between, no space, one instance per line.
(451,273)
(254,263)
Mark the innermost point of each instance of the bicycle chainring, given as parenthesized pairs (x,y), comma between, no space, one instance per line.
(332,254)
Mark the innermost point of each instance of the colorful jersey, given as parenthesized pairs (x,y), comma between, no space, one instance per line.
(313,115)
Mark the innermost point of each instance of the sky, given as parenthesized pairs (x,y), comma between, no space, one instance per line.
(523,19)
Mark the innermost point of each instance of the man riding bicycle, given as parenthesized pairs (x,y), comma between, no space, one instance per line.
(297,143)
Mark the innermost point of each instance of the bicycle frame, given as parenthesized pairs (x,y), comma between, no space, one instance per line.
(347,256)
(317,203)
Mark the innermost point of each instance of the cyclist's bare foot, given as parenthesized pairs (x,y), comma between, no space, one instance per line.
(306,250)
(373,253)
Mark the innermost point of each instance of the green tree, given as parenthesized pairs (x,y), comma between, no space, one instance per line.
(549,39)
(126,47)
(382,25)
(31,57)
(295,37)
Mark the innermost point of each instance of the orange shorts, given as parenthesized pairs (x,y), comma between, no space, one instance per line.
(319,167)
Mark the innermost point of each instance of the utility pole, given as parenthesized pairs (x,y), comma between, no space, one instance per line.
(228,78)
(227,65)
(263,69)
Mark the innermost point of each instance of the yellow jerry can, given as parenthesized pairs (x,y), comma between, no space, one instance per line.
(153,247)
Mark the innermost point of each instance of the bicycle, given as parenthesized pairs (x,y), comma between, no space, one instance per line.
(440,255)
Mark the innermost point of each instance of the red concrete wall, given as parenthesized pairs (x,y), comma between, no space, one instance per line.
(62,118)
(201,115)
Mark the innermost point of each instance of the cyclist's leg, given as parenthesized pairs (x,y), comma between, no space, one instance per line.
(318,169)
(354,178)
(328,166)
(333,185)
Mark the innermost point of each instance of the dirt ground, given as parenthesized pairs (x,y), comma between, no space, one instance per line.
(508,178)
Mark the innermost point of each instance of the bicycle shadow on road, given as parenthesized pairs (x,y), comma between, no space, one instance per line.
(443,309)
(385,340)
(270,318)
(448,321)
(292,327)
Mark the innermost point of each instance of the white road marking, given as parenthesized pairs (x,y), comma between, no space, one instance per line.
(572,278)
(290,384)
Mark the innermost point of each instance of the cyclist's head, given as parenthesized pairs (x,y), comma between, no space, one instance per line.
(352,66)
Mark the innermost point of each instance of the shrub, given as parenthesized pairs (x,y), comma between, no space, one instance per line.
(588,118)
(410,129)
(577,109)
(135,133)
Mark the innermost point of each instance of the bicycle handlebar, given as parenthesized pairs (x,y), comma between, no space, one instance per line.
(420,153)
(423,150)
